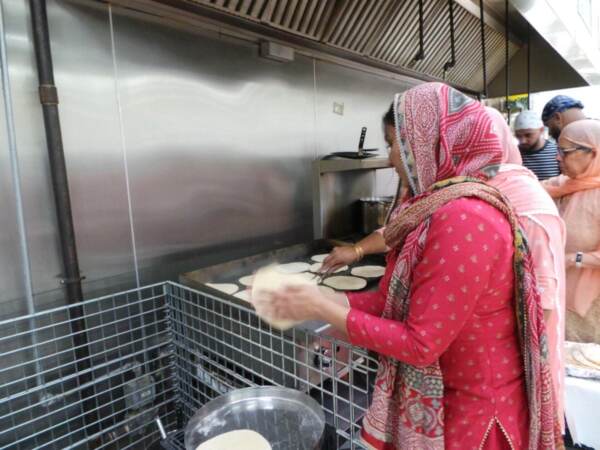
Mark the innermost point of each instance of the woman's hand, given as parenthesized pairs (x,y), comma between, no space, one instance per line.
(570,260)
(298,303)
(339,257)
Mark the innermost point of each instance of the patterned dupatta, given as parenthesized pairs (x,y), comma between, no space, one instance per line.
(446,143)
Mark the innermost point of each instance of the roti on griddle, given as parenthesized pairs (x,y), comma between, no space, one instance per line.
(345,283)
(316,268)
(368,271)
(293,267)
(227,288)
(246,281)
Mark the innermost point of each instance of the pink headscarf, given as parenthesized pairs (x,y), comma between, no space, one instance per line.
(516,182)
(546,234)
(511,153)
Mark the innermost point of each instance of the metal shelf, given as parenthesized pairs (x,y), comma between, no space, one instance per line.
(342,165)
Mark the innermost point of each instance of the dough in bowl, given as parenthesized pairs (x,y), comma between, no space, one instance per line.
(368,271)
(238,439)
(345,283)
(227,288)
(269,279)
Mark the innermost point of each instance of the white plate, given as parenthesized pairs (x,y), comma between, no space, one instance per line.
(316,268)
(227,288)
(293,267)
(345,283)
(319,258)
(368,271)
(247,280)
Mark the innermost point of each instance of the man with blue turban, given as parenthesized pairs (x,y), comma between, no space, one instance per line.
(561,111)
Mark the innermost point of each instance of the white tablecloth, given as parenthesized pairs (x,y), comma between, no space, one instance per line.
(582,409)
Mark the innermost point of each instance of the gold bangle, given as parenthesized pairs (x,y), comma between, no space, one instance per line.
(360,253)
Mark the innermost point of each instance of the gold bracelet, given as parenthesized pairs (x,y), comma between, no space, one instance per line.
(360,253)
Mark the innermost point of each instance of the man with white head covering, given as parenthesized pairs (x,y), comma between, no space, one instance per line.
(538,153)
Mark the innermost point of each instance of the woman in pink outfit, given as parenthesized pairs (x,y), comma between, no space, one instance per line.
(545,233)
(577,194)
(457,320)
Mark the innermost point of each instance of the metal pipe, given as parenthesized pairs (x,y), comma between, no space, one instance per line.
(450,64)
(506,63)
(483,58)
(60,187)
(16,180)
(421,53)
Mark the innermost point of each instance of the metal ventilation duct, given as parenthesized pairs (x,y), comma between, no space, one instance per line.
(385,31)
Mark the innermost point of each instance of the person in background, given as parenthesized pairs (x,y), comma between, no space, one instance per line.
(537,152)
(457,320)
(577,194)
(559,112)
(545,233)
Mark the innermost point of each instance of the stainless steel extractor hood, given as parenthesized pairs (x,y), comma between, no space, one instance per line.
(571,28)
(384,34)
(380,33)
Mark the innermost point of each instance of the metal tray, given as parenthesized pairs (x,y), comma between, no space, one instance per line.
(288,419)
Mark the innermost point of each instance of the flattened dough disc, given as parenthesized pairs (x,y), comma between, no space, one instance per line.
(309,277)
(227,288)
(345,283)
(326,290)
(319,258)
(269,279)
(243,295)
(316,268)
(293,267)
(247,280)
(368,271)
(238,439)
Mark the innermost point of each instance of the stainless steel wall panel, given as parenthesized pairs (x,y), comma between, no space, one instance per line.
(219,143)
(81,49)
(11,279)
(31,144)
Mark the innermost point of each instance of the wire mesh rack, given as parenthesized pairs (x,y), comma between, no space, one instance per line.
(110,372)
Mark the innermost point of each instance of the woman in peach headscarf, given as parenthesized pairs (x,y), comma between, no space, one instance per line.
(545,232)
(577,194)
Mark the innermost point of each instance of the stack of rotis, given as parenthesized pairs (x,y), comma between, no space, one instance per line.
(583,355)
(238,439)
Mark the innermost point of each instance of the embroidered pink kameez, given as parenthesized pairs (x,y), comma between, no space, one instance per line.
(462,313)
